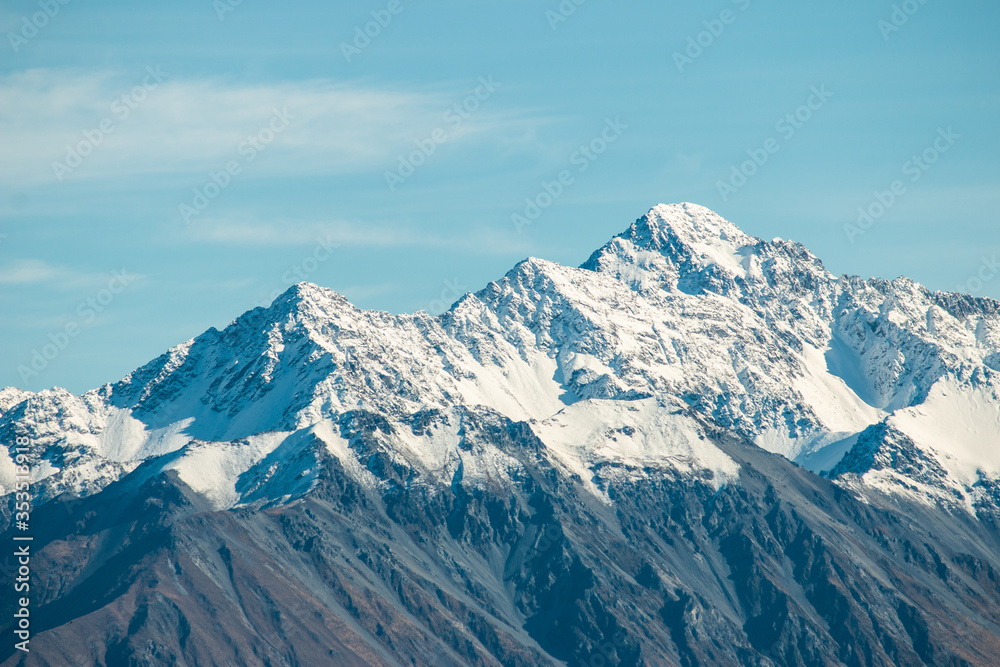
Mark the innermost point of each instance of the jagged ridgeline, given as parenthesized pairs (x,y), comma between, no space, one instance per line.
(698,448)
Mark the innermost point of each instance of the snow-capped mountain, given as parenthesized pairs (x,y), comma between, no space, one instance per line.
(681,308)
(699,447)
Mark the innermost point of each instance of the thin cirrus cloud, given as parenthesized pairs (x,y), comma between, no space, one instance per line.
(162,124)
(29,272)
(252,232)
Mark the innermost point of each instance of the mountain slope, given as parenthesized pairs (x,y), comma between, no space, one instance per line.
(513,561)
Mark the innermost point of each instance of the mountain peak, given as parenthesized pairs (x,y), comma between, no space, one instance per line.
(690,240)
(689,223)
(306,291)
(306,297)
(533,265)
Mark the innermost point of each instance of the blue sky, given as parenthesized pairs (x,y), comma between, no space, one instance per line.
(229,154)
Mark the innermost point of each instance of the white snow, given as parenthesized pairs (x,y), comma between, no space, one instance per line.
(8,472)
(212,468)
(960,426)
(833,401)
(843,413)
(714,239)
(520,390)
(123,437)
(638,433)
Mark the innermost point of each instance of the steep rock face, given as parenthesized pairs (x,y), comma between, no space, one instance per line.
(568,466)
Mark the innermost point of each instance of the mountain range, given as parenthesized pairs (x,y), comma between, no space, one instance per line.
(697,448)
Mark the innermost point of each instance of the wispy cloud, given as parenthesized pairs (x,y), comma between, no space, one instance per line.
(478,239)
(29,272)
(184,125)
(24,272)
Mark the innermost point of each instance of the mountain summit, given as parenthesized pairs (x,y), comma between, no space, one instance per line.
(699,447)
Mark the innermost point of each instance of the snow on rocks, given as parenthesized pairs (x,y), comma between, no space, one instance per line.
(682,308)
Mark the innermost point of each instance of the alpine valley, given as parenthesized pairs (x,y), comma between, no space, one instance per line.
(697,448)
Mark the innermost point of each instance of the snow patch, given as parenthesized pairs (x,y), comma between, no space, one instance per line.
(212,468)
(960,426)
(639,433)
